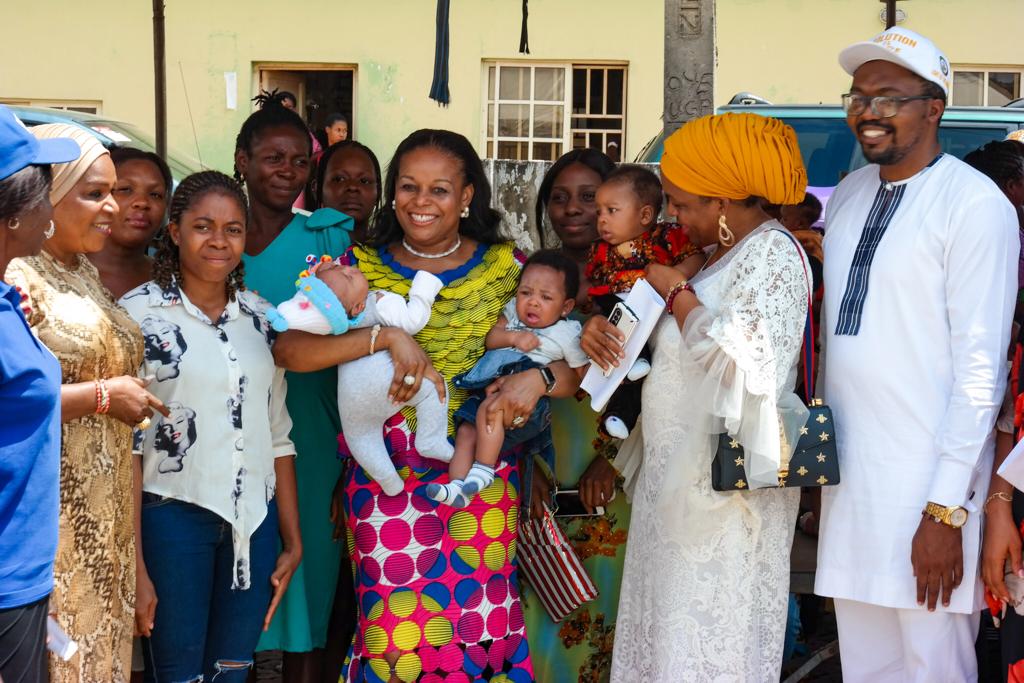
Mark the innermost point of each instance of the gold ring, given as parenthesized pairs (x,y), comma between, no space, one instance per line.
(144,424)
(518,420)
(409,380)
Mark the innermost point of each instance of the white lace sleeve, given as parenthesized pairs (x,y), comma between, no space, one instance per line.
(748,350)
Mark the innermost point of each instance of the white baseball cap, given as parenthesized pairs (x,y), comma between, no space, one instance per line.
(901,46)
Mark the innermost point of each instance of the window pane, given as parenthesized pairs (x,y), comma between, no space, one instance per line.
(547,121)
(511,150)
(490,120)
(490,83)
(596,92)
(547,151)
(967,88)
(616,90)
(579,140)
(593,123)
(579,91)
(515,83)
(550,84)
(490,149)
(513,119)
(1002,88)
(595,141)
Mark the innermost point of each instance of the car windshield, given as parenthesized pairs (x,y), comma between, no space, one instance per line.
(829,149)
(126,135)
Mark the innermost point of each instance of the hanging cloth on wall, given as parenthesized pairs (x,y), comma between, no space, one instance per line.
(439,88)
(524,38)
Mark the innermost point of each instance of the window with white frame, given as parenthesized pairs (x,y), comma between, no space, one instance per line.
(541,110)
(985,86)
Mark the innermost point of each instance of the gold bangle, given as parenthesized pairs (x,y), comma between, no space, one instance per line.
(373,337)
(998,495)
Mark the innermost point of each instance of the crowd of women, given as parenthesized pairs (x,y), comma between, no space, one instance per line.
(208,500)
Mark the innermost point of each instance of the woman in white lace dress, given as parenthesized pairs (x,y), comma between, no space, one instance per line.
(706,580)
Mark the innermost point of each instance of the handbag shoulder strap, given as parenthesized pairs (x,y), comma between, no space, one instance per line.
(807,355)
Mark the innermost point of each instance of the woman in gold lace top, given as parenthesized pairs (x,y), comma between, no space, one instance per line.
(100,350)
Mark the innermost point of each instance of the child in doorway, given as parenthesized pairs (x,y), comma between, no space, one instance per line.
(531,332)
(628,204)
(333,298)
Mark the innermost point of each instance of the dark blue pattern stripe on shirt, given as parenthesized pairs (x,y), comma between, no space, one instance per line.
(887,200)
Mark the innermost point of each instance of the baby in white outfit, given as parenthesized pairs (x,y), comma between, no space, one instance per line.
(332,299)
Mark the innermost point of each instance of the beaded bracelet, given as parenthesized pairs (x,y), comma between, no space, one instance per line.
(102,397)
(682,285)
(373,337)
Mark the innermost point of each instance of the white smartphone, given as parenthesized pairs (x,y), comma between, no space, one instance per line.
(623,318)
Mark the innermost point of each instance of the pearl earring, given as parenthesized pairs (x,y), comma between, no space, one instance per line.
(465,212)
(393,206)
(14,223)
(50,230)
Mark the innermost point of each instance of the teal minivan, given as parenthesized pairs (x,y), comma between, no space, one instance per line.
(830,150)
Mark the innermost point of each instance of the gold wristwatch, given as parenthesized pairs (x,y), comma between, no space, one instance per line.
(954,515)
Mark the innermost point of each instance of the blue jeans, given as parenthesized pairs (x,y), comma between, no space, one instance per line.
(204,630)
(492,365)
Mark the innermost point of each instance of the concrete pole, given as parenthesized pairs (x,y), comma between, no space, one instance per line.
(689,61)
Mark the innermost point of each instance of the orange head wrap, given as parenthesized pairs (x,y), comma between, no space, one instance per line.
(736,156)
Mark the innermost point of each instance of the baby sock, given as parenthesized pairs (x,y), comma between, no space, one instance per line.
(449,494)
(480,477)
(616,427)
(641,368)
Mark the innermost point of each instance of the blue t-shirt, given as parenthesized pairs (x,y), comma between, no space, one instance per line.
(29,458)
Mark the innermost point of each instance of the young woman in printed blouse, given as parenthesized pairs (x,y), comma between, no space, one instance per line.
(218,476)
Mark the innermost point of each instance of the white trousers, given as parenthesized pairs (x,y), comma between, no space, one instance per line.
(886,645)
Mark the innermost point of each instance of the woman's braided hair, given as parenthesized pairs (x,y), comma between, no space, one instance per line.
(271,113)
(167,260)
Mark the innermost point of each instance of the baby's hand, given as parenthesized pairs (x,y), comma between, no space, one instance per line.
(526,341)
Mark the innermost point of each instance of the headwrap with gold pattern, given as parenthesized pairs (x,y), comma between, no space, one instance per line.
(66,175)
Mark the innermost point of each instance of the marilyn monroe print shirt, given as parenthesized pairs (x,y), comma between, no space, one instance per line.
(228,419)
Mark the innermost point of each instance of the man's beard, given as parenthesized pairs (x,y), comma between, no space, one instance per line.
(895,152)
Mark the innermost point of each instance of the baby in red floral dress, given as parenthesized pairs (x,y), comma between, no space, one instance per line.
(628,204)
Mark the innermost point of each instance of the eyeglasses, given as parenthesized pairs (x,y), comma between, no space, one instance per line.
(884,107)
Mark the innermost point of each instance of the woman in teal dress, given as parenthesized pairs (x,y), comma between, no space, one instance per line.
(580,647)
(272,158)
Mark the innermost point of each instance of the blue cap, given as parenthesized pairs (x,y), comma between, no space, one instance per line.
(19,148)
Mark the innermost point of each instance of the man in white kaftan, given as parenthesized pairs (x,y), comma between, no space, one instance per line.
(920,259)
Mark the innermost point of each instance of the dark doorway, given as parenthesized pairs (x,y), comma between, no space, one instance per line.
(320,92)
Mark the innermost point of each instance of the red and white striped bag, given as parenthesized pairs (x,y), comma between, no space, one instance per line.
(552,567)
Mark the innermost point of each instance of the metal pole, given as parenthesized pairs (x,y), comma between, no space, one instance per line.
(890,13)
(689,88)
(159,78)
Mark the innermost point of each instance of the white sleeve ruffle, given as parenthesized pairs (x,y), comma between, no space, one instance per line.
(746,352)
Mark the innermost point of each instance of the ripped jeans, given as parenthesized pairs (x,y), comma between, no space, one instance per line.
(203,630)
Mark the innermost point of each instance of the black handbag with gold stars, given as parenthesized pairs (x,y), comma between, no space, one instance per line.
(814,461)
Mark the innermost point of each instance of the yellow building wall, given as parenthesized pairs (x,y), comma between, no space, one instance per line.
(784,50)
(105,53)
